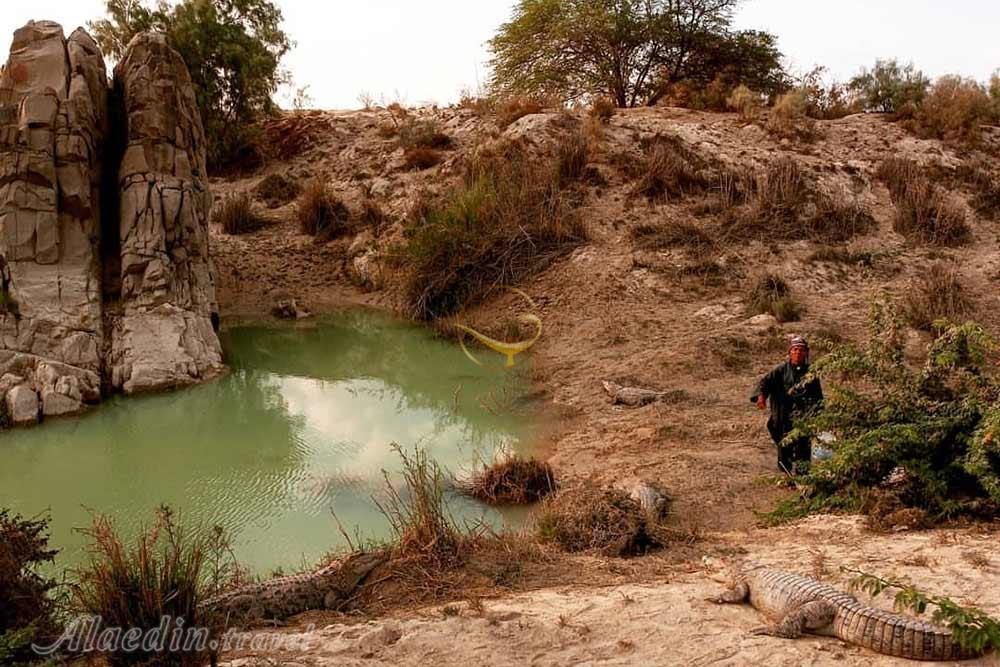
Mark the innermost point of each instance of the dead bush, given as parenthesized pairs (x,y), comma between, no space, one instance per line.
(671,235)
(770,294)
(423,134)
(746,103)
(511,480)
(418,159)
(513,109)
(925,212)
(591,518)
(669,170)
(603,109)
(276,190)
(788,118)
(837,221)
(977,176)
(28,611)
(954,110)
(236,215)
(510,217)
(321,213)
(842,255)
(936,294)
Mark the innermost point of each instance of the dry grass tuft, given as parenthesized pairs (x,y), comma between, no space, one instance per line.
(770,294)
(511,110)
(925,212)
(276,190)
(425,134)
(236,215)
(572,158)
(167,572)
(669,170)
(591,518)
(671,235)
(603,109)
(510,217)
(978,176)
(788,118)
(937,293)
(418,159)
(745,102)
(320,212)
(511,480)
(837,221)
(954,110)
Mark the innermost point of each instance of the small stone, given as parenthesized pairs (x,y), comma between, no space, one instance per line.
(22,405)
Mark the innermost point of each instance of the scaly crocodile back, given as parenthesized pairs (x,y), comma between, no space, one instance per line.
(776,593)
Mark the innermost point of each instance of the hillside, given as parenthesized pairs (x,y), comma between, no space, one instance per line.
(666,316)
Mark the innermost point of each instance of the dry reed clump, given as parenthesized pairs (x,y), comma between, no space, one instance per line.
(320,212)
(925,212)
(572,158)
(276,190)
(27,612)
(788,118)
(671,235)
(745,102)
(419,159)
(423,134)
(603,109)
(838,221)
(511,110)
(511,480)
(977,175)
(936,294)
(508,219)
(770,294)
(669,170)
(236,215)
(591,518)
(954,110)
(166,573)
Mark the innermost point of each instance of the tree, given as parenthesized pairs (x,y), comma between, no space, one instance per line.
(232,48)
(629,50)
(890,87)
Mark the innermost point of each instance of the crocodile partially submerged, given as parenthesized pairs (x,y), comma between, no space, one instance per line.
(328,587)
(799,604)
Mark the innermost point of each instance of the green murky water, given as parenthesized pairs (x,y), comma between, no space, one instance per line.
(300,429)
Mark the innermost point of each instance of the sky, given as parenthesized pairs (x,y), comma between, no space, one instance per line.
(421,51)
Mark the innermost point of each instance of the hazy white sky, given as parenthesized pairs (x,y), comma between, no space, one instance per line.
(428,50)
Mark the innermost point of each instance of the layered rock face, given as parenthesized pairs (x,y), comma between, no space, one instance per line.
(166,335)
(56,352)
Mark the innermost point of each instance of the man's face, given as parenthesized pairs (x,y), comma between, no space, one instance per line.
(797,355)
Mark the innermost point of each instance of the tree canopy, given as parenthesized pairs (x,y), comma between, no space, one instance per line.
(232,48)
(629,50)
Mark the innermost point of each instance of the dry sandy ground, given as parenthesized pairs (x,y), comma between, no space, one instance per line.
(611,311)
(665,621)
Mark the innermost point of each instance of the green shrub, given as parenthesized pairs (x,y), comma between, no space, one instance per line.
(166,572)
(507,220)
(890,87)
(27,612)
(924,435)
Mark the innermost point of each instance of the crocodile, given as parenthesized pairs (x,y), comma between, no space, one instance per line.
(799,604)
(277,599)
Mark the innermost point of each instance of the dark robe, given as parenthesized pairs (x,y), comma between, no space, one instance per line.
(787,400)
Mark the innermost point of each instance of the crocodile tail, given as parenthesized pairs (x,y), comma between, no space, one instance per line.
(898,636)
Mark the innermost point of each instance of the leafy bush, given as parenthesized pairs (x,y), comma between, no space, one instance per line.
(507,220)
(937,294)
(925,212)
(771,295)
(926,436)
(954,110)
(745,102)
(633,52)
(890,87)
(232,48)
(167,572)
(28,611)
(788,118)
(236,215)
(320,213)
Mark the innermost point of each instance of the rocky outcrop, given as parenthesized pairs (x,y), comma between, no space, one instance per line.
(52,126)
(59,245)
(166,334)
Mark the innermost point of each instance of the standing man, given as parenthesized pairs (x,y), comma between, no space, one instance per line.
(788,400)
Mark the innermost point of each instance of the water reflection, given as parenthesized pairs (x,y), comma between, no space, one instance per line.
(302,425)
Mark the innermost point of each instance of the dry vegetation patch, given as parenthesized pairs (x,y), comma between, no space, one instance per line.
(321,213)
(669,170)
(592,518)
(236,215)
(925,212)
(276,190)
(771,295)
(511,480)
(936,294)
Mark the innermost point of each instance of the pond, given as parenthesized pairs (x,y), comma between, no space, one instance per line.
(299,431)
